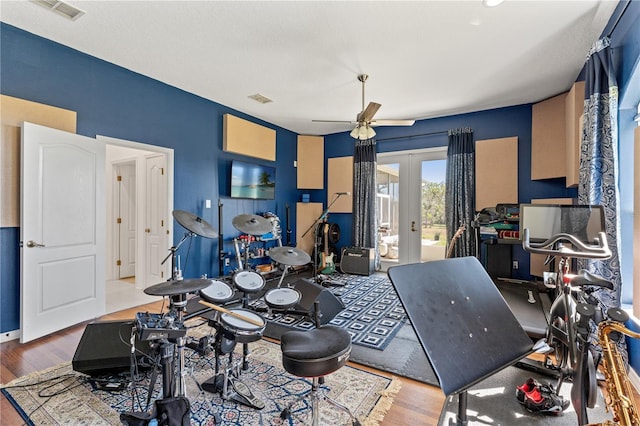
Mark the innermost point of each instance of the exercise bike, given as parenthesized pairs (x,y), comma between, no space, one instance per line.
(573,309)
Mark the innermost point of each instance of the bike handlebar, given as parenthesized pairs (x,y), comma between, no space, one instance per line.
(583,251)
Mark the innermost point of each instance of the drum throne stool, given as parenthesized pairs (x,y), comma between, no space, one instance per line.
(315,354)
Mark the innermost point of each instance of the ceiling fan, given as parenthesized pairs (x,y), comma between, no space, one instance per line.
(364,120)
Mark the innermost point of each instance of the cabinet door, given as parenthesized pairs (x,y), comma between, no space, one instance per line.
(340,179)
(496,172)
(310,162)
(548,149)
(574,105)
(306,214)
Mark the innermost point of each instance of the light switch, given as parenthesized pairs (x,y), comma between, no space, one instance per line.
(207,204)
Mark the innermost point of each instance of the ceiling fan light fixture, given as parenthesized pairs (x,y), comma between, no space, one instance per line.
(362,132)
(370,132)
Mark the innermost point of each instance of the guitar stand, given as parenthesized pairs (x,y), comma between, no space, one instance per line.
(315,224)
(455,308)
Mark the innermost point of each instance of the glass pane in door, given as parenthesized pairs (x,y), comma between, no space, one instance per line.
(387,209)
(432,205)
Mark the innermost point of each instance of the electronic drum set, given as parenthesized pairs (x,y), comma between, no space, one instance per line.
(232,326)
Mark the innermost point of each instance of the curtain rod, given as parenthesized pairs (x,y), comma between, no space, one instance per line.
(615,24)
(444,132)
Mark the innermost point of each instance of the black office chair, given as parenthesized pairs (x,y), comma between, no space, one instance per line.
(315,353)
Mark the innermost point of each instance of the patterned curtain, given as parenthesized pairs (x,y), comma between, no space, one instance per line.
(598,180)
(460,190)
(364,195)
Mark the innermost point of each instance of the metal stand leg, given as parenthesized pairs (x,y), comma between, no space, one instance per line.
(315,395)
(461,419)
(284,272)
(167,369)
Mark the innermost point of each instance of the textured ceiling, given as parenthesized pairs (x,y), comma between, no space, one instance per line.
(424,58)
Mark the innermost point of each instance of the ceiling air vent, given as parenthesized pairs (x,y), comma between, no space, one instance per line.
(61,8)
(259,98)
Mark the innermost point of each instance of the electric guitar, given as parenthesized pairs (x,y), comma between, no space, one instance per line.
(328,266)
(452,244)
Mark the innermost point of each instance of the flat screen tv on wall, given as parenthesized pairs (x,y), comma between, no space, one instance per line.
(251,180)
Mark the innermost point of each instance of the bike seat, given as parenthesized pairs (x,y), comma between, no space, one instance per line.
(585,277)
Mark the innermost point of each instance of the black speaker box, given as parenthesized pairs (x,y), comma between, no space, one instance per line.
(330,305)
(104,348)
(358,261)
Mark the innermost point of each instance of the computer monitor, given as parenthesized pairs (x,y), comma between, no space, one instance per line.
(546,220)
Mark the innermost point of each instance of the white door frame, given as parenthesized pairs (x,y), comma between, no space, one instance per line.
(410,161)
(140,187)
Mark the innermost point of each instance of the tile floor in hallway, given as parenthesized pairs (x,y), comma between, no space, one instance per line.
(123,294)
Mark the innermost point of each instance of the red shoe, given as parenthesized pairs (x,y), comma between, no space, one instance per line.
(544,402)
(527,387)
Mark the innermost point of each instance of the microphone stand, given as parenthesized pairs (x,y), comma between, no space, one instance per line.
(286,206)
(315,224)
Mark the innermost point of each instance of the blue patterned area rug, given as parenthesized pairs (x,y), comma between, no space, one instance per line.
(60,395)
(373,313)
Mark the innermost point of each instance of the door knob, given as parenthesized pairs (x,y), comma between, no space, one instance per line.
(147,230)
(32,244)
(413,226)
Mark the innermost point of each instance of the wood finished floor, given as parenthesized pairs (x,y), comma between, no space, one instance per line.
(416,403)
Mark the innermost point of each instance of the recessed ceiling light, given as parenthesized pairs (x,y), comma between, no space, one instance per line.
(61,8)
(491,3)
(259,98)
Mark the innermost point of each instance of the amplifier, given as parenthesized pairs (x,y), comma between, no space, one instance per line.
(104,349)
(358,261)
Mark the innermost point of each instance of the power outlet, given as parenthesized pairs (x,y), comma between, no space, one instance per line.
(226,261)
(514,264)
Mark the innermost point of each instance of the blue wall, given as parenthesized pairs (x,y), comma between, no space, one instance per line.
(112,101)
(490,124)
(116,102)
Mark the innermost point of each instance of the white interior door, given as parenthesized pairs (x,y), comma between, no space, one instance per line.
(410,227)
(126,221)
(156,223)
(62,230)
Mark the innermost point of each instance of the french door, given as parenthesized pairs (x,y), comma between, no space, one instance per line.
(410,206)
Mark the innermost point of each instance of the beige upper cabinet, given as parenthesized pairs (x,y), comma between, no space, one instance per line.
(548,138)
(340,179)
(244,137)
(310,162)
(494,184)
(555,136)
(574,107)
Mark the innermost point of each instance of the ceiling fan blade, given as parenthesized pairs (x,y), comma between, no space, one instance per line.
(334,121)
(369,112)
(392,122)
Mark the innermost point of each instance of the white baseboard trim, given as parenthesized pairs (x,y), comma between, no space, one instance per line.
(10,335)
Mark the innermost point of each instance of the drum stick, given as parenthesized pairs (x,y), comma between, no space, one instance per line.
(233,314)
